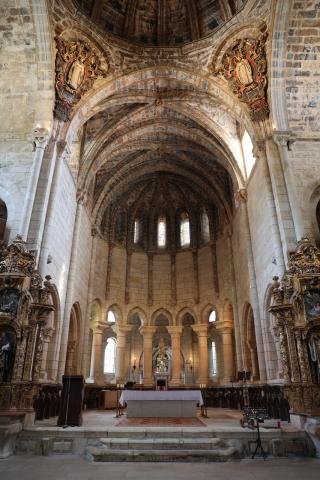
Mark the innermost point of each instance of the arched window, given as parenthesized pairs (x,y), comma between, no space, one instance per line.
(184,230)
(3,219)
(247,148)
(111,318)
(136,231)
(214,358)
(109,365)
(205,228)
(162,232)
(213,316)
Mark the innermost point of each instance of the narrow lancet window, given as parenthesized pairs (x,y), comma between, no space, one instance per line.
(162,232)
(184,230)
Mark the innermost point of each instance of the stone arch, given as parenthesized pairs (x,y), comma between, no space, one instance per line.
(206,311)
(251,362)
(74,335)
(117,312)
(228,315)
(161,311)
(6,199)
(141,314)
(183,312)
(95,312)
(3,219)
(315,213)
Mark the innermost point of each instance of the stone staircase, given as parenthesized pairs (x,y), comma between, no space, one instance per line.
(178,447)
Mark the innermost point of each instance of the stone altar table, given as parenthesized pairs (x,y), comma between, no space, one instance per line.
(161,404)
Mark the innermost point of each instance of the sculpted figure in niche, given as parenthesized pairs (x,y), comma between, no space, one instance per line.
(6,355)
(314,347)
(76,73)
(162,360)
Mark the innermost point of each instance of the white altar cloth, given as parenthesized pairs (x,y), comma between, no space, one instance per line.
(161,403)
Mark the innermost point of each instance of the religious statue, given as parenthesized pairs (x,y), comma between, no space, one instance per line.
(76,73)
(6,352)
(314,348)
(162,359)
(312,304)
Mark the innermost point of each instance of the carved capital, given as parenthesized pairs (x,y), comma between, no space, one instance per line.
(284,139)
(241,195)
(40,137)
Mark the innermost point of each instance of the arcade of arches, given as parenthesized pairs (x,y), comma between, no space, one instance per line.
(159,164)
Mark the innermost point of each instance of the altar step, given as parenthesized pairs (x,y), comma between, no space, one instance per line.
(164,450)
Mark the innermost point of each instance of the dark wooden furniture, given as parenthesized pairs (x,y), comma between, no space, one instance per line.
(71,401)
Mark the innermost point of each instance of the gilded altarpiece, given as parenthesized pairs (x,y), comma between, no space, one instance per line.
(25,303)
(296,308)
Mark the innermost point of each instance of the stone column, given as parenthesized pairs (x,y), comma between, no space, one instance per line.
(195,276)
(127,284)
(202,332)
(150,279)
(122,332)
(242,199)
(147,332)
(254,363)
(71,282)
(175,333)
(228,353)
(46,337)
(85,365)
(213,249)
(173,280)
(284,141)
(109,267)
(239,350)
(40,138)
(70,358)
(97,355)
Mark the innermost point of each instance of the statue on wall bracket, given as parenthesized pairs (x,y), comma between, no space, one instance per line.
(244,66)
(77,67)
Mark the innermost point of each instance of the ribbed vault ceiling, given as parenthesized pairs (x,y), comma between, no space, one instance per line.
(160,22)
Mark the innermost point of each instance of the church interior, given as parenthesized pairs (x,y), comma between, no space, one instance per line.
(159,224)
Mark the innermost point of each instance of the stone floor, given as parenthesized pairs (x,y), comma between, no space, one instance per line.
(71,468)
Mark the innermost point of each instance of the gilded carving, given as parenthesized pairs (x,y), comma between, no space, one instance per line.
(77,67)
(16,259)
(244,66)
(296,308)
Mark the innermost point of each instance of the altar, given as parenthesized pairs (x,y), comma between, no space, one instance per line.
(161,404)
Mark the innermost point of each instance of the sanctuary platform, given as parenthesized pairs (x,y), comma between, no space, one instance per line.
(103,437)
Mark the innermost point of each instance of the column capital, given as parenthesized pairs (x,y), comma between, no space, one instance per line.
(284,138)
(200,329)
(175,330)
(241,195)
(123,329)
(259,148)
(40,137)
(224,326)
(147,330)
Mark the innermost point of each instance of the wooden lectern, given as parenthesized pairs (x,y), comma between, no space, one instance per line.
(71,401)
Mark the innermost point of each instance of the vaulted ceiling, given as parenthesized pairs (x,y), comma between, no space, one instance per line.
(160,22)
